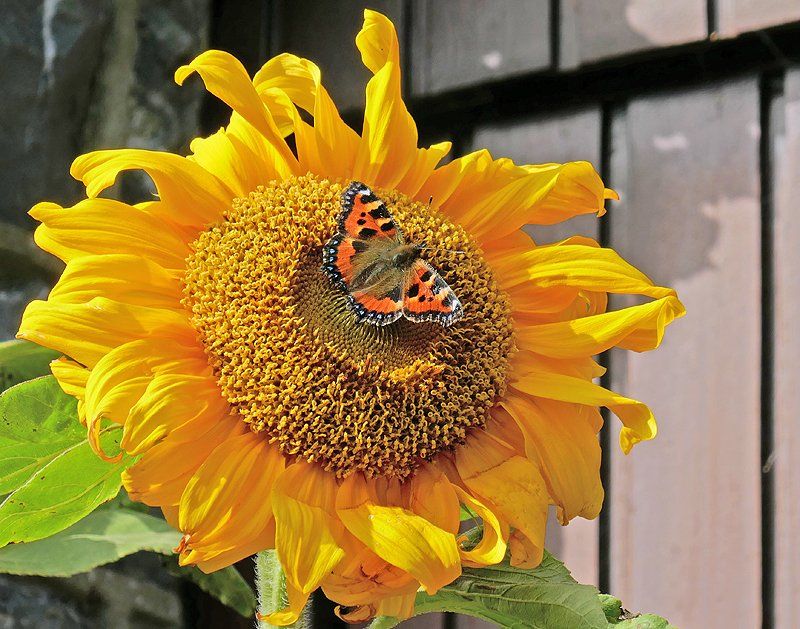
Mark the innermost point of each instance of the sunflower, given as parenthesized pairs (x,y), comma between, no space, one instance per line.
(262,414)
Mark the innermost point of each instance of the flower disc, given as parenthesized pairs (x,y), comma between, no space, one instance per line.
(294,363)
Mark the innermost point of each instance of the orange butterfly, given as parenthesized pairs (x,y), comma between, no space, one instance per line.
(384,277)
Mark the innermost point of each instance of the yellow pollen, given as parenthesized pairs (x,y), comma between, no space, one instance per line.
(294,363)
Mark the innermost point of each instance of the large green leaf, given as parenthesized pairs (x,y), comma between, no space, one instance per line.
(37,422)
(546,597)
(23,360)
(226,585)
(102,537)
(53,476)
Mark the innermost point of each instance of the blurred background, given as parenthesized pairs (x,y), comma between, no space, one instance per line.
(689,108)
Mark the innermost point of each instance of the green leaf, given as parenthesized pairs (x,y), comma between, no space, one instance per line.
(226,585)
(545,597)
(46,463)
(38,421)
(23,360)
(612,607)
(101,537)
(645,621)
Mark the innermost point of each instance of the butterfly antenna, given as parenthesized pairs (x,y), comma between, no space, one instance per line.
(427,248)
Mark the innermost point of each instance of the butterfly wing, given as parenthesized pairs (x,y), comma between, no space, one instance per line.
(427,297)
(356,258)
(365,216)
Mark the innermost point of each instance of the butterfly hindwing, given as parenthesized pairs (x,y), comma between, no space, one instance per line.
(428,297)
(378,310)
(364,215)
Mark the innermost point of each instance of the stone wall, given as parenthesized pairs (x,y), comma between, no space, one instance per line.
(79,75)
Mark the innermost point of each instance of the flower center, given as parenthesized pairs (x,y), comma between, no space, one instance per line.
(295,364)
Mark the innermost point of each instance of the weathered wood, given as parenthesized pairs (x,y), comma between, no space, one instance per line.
(463,42)
(592,30)
(324,31)
(565,137)
(740,16)
(685,509)
(787,356)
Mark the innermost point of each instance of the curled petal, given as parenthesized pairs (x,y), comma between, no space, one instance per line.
(196,196)
(71,376)
(398,535)
(510,485)
(492,546)
(389,137)
(637,419)
(639,328)
(226,78)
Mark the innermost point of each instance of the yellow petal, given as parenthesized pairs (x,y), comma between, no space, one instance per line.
(71,376)
(638,421)
(307,531)
(639,328)
(492,546)
(332,144)
(525,361)
(197,196)
(389,136)
(229,160)
(563,438)
(400,607)
(161,474)
(494,198)
(579,266)
(102,226)
(121,277)
(180,406)
(86,332)
(398,535)
(510,485)
(226,78)
(425,160)
(430,495)
(227,504)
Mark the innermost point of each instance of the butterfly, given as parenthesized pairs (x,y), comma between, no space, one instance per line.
(384,277)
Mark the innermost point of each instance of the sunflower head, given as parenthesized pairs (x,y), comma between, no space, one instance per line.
(265,413)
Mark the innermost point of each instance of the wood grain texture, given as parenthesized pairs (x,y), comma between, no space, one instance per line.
(569,136)
(685,508)
(740,16)
(462,42)
(787,355)
(324,31)
(592,30)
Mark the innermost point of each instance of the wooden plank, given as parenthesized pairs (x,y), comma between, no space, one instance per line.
(740,16)
(568,136)
(324,31)
(462,42)
(592,30)
(787,356)
(685,508)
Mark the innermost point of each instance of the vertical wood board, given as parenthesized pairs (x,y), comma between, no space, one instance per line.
(457,43)
(787,356)
(685,508)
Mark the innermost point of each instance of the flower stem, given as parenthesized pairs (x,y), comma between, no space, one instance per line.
(271,590)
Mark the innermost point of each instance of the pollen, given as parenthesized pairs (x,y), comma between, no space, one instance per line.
(294,363)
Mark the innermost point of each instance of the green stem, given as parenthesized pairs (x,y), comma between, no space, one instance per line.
(271,590)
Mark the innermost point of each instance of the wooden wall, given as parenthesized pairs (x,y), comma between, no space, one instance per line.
(691,109)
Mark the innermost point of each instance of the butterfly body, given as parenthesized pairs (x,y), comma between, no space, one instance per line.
(384,277)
